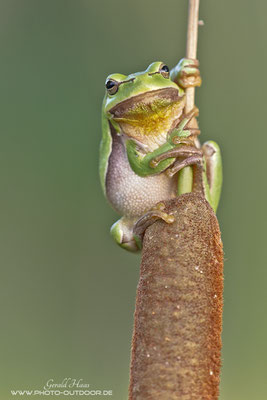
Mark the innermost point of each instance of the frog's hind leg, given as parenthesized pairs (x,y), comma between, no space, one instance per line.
(213,161)
(122,233)
(128,232)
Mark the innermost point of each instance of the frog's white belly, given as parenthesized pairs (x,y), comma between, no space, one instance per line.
(130,194)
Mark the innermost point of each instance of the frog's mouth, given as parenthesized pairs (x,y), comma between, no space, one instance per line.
(149,117)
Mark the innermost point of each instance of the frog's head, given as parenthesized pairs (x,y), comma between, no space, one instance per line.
(144,106)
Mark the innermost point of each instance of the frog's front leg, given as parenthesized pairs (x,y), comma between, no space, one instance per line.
(208,159)
(182,145)
(210,162)
(164,156)
(122,233)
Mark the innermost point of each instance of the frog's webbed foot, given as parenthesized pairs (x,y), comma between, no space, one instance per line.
(186,73)
(178,165)
(182,133)
(182,137)
(183,151)
(148,219)
(186,149)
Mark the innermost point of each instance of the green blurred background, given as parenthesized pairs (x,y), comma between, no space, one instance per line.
(67,292)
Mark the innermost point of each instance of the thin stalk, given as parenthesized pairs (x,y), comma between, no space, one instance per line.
(186,174)
(191,46)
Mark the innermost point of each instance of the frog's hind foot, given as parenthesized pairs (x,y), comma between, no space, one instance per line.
(148,219)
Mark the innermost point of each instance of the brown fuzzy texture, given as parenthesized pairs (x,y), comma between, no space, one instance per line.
(178,318)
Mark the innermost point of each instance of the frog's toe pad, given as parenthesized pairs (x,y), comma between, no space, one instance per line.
(123,236)
(189,77)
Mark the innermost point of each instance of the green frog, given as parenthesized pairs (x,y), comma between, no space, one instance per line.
(146,141)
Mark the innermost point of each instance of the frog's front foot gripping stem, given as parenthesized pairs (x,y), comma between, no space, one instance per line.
(187,73)
(182,135)
(148,219)
(178,165)
(194,155)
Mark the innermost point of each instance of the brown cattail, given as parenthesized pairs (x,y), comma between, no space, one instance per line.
(178,318)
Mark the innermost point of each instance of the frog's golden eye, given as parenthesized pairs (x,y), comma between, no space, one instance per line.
(164,70)
(112,86)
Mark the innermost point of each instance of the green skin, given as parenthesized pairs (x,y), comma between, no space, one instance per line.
(140,160)
(126,91)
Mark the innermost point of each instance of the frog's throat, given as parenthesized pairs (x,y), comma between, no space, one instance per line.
(149,117)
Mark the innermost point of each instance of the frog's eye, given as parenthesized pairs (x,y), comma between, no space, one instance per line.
(164,70)
(112,86)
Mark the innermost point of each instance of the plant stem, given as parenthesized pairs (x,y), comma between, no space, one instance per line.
(191,47)
(186,174)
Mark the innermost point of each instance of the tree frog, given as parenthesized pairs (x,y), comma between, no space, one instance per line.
(145,142)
